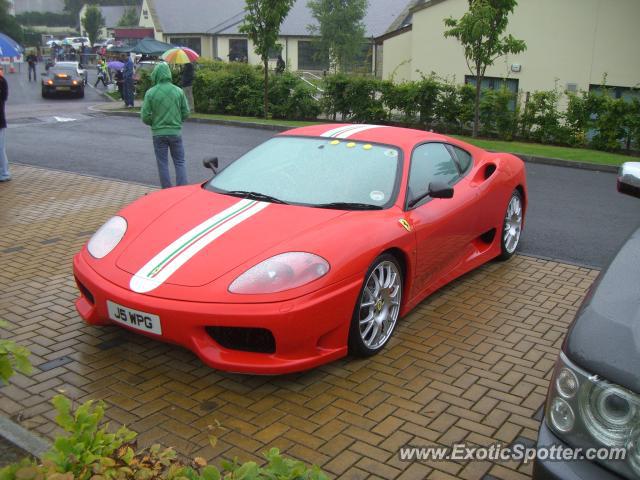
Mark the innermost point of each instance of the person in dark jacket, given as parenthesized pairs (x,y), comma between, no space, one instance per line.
(187,83)
(4,162)
(32,60)
(128,82)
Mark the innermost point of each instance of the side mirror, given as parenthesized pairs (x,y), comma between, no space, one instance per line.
(211,163)
(629,179)
(440,190)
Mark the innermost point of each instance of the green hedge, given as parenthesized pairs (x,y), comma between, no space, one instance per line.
(592,119)
(581,119)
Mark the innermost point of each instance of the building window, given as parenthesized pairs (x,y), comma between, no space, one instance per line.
(238,50)
(309,57)
(194,43)
(274,52)
(496,83)
(625,93)
(362,62)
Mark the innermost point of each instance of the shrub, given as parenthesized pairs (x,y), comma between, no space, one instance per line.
(357,99)
(454,108)
(610,131)
(13,358)
(90,452)
(541,119)
(291,98)
(498,117)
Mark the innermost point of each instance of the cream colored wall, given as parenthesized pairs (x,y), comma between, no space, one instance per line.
(206,44)
(396,58)
(568,41)
(148,22)
(289,51)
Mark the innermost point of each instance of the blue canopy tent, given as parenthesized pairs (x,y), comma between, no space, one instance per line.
(9,48)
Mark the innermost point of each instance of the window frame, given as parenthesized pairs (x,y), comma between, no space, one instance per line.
(461,174)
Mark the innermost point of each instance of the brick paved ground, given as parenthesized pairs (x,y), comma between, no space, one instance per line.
(470,363)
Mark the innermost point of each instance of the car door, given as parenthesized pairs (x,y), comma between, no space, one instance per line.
(444,228)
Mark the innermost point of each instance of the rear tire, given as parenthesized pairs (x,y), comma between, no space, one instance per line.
(511,226)
(378,307)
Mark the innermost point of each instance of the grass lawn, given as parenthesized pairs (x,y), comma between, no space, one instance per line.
(550,151)
(261,121)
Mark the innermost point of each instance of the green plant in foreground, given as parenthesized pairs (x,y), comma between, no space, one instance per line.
(90,452)
(13,358)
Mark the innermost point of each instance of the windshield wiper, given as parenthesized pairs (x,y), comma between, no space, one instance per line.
(255,196)
(349,206)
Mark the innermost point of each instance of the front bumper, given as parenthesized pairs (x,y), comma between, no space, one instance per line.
(569,470)
(308,331)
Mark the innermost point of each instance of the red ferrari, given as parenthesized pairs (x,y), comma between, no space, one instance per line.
(310,246)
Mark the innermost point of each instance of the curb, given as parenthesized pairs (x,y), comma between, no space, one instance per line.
(594,167)
(281,128)
(23,438)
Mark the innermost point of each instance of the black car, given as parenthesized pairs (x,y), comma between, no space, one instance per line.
(593,401)
(62,79)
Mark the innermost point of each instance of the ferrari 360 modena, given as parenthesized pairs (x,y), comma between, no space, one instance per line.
(309,247)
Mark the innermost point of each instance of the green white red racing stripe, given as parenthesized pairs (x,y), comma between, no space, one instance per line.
(347,130)
(175,255)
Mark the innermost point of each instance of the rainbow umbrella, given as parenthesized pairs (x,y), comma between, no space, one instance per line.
(180,55)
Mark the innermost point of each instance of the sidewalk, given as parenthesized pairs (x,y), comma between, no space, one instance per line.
(470,363)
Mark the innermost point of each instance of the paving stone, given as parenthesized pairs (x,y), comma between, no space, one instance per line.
(471,363)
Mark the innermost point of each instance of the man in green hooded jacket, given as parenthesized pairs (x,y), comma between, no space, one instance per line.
(165,108)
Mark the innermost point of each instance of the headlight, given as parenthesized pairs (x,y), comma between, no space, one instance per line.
(107,237)
(281,272)
(587,411)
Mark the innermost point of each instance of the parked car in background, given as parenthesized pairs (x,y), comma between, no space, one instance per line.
(77,42)
(62,80)
(145,66)
(109,43)
(594,394)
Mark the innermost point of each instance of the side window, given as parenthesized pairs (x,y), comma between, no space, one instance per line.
(430,162)
(463,157)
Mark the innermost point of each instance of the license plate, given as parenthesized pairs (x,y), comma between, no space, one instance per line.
(63,89)
(147,322)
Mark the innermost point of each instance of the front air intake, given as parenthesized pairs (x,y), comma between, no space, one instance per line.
(257,340)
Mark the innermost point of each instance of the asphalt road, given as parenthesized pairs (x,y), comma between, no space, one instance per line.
(574,215)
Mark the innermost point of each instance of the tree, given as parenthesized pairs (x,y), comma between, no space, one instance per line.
(8,24)
(93,22)
(129,17)
(480,31)
(262,25)
(340,29)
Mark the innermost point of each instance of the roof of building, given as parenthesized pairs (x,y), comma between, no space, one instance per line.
(113,14)
(225,16)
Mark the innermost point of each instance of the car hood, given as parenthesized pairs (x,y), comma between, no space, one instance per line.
(205,235)
(604,339)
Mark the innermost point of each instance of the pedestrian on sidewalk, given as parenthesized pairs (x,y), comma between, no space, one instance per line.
(102,73)
(187,83)
(32,60)
(165,108)
(5,176)
(128,82)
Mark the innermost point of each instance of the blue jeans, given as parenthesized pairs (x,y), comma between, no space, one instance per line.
(4,162)
(161,146)
(128,92)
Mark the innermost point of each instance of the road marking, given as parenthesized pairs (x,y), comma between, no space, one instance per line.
(64,119)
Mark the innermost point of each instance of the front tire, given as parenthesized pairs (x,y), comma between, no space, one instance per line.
(511,226)
(378,307)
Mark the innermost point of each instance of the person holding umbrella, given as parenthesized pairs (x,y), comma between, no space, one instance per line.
(184,56)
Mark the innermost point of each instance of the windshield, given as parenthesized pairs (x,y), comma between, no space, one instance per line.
(315,172)
(63,71)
